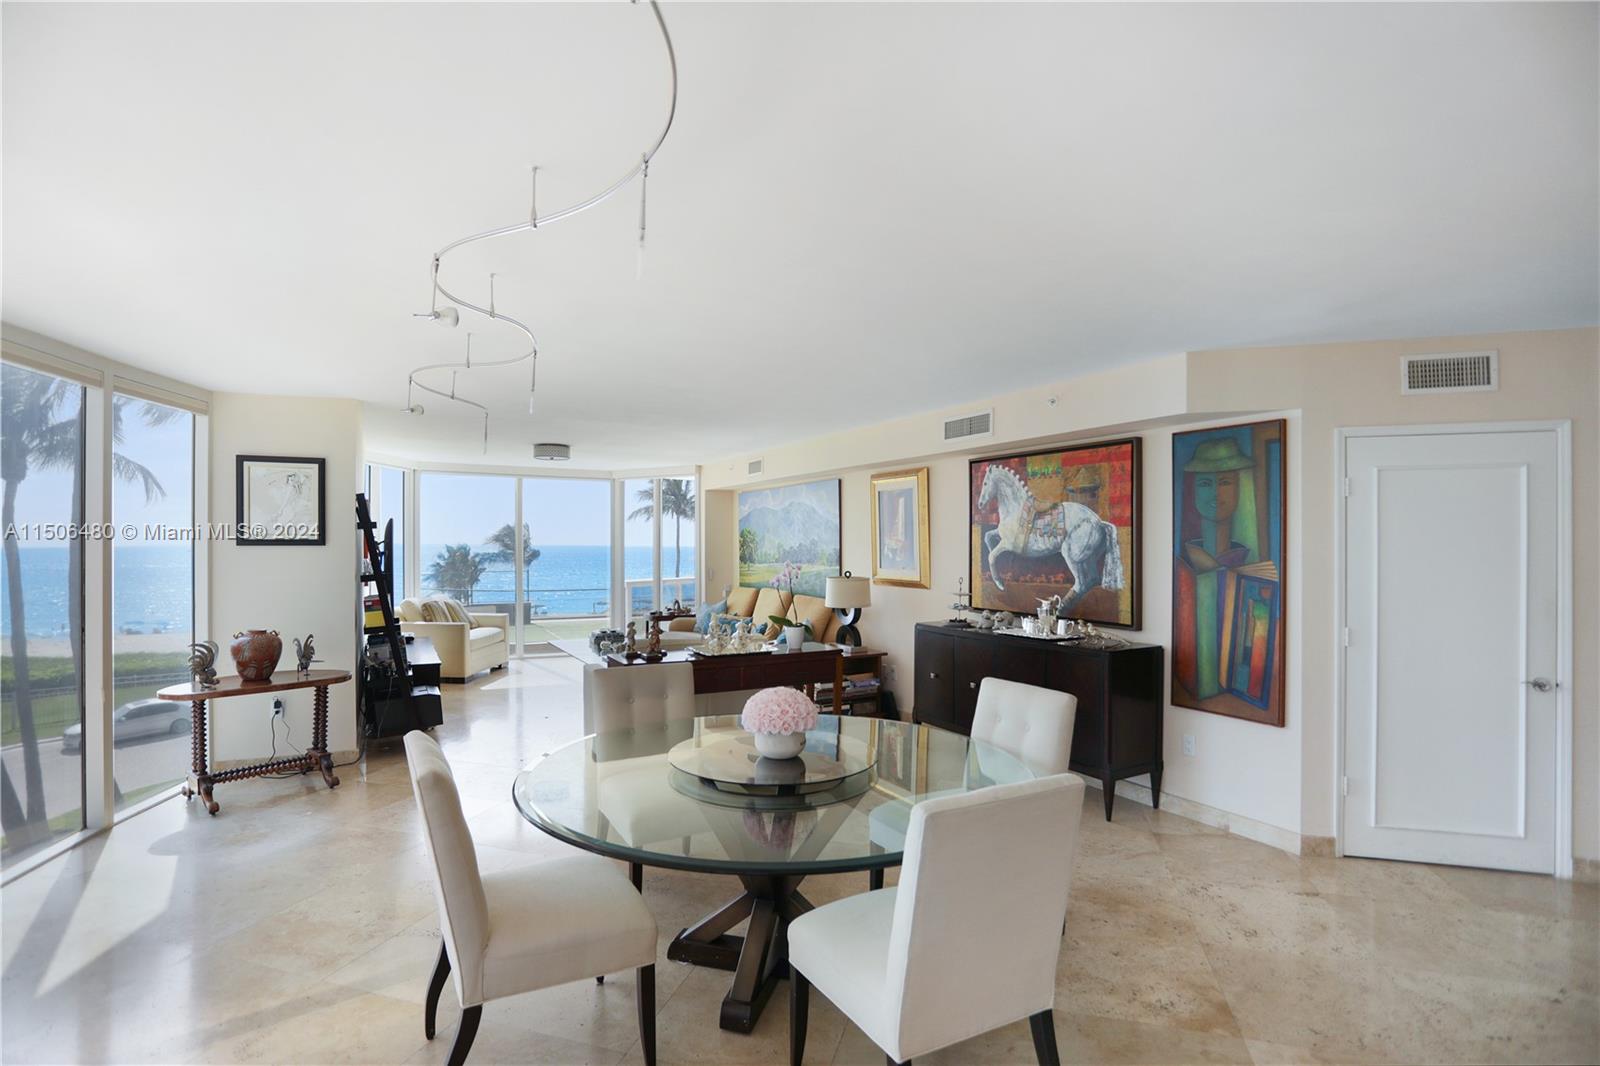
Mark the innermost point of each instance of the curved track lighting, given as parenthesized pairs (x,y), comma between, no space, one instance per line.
(448,315)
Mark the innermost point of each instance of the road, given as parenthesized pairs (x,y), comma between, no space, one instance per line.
(137,764)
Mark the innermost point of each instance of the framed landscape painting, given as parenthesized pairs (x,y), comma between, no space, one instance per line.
(796,524)
(1228,489)
(900,528)
(1059,523)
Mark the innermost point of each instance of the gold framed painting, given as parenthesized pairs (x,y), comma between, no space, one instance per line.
(900,528)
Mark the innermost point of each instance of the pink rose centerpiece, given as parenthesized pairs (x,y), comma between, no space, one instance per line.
(778,719)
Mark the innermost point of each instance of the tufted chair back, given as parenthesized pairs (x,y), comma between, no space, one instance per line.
(1032,723)
(628,697)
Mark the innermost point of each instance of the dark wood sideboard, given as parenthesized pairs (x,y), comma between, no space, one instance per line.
(1117,732)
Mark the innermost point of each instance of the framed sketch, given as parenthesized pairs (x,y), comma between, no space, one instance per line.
(281,500)
(1229,488)
(900,528)
(1058,523)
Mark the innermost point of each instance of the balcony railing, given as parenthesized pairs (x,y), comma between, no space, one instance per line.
(594,602)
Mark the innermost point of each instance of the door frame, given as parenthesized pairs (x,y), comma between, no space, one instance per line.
(1562,428)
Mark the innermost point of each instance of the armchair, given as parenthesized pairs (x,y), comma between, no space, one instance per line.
(463,650)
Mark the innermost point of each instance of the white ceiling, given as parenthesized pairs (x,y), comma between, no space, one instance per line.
(863,210)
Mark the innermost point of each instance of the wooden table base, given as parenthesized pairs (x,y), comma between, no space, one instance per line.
(760,958)
(202,780)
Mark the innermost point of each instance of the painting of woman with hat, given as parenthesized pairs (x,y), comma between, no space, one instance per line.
(1228,509)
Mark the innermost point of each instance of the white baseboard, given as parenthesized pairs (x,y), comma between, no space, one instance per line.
(1237,824)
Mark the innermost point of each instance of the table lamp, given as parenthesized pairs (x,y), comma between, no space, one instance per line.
(847,595)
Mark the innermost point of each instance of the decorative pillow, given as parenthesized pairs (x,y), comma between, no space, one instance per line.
(433,611)
(457,612)
(702,617)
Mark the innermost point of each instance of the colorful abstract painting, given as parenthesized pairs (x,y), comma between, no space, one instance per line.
(793,524)
(1228,488)
(1059,523)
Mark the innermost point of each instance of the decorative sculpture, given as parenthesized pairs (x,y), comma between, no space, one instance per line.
(632,644)
(203,663)
(303,654)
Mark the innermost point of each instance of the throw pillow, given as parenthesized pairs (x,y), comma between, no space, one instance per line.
(702,617)
(457,612)
(434,611)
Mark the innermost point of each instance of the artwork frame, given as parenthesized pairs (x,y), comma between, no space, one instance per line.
(1101,476)
(1229,619)
(273,497)
(799,523)
(891,567)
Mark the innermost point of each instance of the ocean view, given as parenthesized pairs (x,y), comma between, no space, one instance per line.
(151,584)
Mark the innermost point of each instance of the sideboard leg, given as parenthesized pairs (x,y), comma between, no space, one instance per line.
(1108,786)
(1155,788)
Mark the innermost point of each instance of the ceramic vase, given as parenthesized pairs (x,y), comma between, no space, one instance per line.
(780,745)
(794,637)
(256,653)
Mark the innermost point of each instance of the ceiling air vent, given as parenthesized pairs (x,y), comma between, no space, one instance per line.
(754,467)
(1451,372)
(978,425)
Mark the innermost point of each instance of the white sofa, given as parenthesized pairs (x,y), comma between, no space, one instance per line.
(463,650)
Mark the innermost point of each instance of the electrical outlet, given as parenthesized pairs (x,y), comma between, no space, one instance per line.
(277,708)
(1188,744)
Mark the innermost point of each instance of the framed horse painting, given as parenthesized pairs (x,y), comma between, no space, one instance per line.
(1059,523)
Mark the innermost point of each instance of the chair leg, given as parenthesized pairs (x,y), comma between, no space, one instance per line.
(465,1034)
(647,1013)
(441,971)
(799,1005)
(600,979)
(1043,1025)
(636,875)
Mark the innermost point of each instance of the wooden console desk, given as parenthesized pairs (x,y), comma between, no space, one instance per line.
(316,757)
(814,665)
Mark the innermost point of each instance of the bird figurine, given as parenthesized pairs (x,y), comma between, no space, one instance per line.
(303,654)
(203,663)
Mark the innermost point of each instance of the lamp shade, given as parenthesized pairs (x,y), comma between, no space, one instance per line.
(848,592)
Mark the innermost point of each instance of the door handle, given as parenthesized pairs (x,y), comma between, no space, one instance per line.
(1543,684)
(972,684)
(932,676)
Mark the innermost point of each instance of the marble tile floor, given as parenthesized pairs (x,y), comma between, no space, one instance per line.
(299,927)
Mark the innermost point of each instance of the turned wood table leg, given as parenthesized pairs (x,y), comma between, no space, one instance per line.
(319,735)
(200,774)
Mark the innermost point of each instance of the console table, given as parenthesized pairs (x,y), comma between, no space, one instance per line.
(316,757)
(1117,731)
(813,665)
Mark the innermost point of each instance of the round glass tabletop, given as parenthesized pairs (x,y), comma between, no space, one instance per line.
(646,795)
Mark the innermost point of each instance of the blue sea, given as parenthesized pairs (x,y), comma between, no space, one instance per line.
(151,584)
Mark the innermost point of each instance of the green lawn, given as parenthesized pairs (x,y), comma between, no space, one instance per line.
(813,579)
(55,699)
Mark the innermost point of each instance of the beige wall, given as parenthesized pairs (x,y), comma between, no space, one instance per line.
(1282,778)
(295,590)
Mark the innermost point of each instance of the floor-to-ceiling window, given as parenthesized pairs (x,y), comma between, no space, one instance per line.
(386,498)
(660,536)
(152,585)
(468,539)
(567,573)
(42,662)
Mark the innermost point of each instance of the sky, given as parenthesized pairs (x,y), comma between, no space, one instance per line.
(466,508)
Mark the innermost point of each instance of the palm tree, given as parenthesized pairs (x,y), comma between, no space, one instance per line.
(677,502)
(41,427)
(458,569)
(504,540)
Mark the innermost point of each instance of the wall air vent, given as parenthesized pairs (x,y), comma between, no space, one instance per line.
(754,467)
(1451,372)
(978,425)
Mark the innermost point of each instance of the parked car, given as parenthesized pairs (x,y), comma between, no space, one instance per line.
(137,720)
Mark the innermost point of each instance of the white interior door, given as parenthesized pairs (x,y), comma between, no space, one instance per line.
(1452,601)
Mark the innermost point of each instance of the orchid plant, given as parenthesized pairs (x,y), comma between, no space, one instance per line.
(784,582)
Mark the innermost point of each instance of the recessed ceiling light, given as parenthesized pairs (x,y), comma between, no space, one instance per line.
(552,453)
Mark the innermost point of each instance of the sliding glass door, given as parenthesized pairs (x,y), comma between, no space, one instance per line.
(567,574)
(152,583)
(41,611)
(468,540)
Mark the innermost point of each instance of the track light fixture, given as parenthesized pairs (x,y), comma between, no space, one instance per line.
(448,315)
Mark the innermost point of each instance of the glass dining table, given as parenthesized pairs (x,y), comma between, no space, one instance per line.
(695,795)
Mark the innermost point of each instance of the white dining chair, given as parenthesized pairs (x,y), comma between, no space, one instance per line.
(966,942)
(1032,723)
(620,698)
(526,928)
